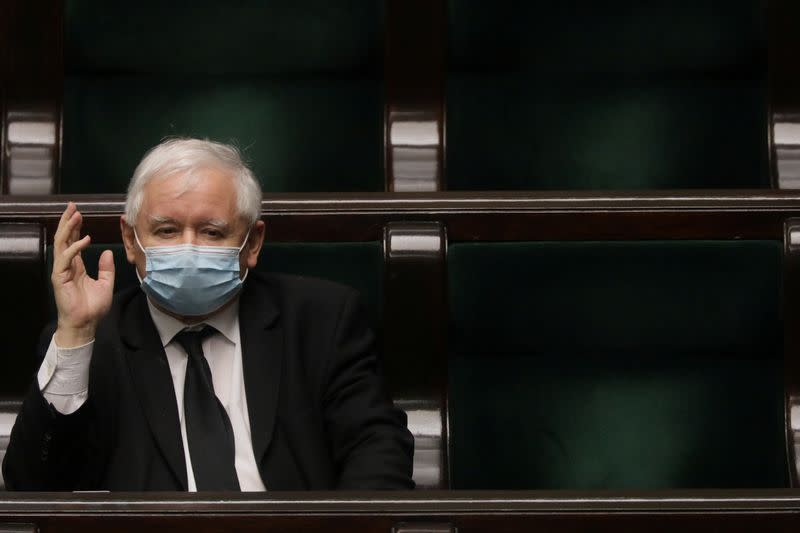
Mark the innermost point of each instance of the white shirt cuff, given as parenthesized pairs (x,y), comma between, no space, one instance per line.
(64,376)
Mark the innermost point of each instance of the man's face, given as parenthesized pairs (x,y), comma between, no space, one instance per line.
(177,210)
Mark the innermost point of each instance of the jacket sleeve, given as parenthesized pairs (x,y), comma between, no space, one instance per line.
(372,447)
(47,450)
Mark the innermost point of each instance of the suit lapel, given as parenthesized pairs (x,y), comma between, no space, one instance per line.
(153,382)
(262,355)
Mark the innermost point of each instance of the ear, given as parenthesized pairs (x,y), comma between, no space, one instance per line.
(128,239)
(254,243)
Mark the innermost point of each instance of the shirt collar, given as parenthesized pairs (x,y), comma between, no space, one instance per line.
(225,321)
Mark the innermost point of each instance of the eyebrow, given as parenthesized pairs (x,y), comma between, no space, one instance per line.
(215,222)
(156,219)
(218,223)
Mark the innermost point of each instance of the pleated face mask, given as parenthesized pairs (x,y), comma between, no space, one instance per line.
(191,280)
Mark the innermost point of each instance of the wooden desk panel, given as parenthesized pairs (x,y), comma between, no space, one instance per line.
(415,512)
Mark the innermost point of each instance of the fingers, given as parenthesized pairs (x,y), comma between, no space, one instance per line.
(65,240)
(63,261)
(68,230)
(76,222)
(71,208)
(105,267)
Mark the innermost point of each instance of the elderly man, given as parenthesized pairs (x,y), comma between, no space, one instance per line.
(209,375)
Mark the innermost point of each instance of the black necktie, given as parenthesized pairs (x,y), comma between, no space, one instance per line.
(208,428)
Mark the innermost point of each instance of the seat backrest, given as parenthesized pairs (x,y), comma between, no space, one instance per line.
(616,365)
(607,95)
(297,86)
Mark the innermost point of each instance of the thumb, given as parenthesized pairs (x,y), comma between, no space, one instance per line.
(105,267)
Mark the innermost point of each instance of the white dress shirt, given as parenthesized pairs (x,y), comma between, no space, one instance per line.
(64,381)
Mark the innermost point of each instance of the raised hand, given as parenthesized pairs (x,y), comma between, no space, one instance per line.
(81,300)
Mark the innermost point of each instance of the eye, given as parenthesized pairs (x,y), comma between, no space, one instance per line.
(165,231)
(213,233)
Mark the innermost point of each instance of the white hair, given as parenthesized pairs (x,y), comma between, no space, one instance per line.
(186,156)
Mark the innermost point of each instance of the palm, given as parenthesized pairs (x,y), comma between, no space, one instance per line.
(80,298)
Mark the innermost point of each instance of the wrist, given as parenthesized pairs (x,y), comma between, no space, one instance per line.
(72,336)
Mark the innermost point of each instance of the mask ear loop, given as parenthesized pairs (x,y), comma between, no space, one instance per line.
(138,243)
(246,237)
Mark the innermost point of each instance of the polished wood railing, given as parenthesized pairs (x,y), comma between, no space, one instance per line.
(408,512)
(514,216)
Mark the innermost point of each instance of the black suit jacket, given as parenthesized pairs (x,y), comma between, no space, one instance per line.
(320,417)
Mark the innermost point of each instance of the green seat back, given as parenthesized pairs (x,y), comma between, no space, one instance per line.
(606,95)
(605,365)
(296,85)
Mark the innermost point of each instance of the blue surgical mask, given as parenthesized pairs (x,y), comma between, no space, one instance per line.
(191,280)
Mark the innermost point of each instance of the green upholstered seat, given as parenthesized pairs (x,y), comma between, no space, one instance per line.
(298,136)
(296,85)
(359,265)
(616,365)
(219,37)
(606,95)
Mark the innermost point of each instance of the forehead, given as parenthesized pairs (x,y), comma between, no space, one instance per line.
(206,193)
